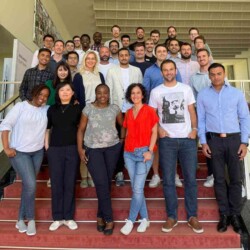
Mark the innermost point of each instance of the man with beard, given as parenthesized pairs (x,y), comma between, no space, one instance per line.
(125,39)
(173,50)
(149,46)
(85,42)
(113,48)
(97,37)
(172,34)
(104,64)
(116,31)
(140,33)
(186,66)
(155,36)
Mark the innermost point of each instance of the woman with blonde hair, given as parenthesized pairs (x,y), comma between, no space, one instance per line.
(89,77)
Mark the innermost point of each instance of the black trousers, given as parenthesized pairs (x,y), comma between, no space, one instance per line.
(224,154)
(101,165)
(63,168)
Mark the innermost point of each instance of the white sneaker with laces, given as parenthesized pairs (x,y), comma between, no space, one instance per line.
(55,225)
(143,225)
(71,224)
(178,182)
(127,228)
(155,181)
(209,182)
(21,226)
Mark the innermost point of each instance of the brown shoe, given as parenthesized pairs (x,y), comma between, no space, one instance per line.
(195,225)
(169,225)
(100,224)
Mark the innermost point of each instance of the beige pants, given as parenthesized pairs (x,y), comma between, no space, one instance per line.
(84,171)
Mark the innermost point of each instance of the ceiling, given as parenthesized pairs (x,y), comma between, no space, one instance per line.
(225,24)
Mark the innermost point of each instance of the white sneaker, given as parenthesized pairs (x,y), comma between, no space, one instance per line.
(48,183)
(71,224)
(143,225)
(55,225)
(21,226)
(31,228)
(155,181)
(178,182)
(127,228)
(209,182)
(243,192)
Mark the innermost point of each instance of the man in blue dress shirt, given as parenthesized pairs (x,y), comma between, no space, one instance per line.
(223,122)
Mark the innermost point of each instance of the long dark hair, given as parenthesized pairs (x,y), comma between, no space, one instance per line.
(57,79)
(58,87)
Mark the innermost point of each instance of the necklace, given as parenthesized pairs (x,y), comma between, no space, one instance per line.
(63,109)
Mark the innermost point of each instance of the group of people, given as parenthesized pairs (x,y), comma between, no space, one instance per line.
(127,105)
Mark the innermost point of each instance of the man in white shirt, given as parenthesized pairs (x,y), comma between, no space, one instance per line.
(174,103)
(116,31)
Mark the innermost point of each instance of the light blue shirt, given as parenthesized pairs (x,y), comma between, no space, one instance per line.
(153,78)
(222,112)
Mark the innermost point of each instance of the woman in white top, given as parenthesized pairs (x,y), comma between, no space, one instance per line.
(90,77)
(27,123)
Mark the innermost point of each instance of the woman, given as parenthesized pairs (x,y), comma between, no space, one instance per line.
(27,122)
(62,75)
(88,79)
(63,159)
(101,150)
(141,134)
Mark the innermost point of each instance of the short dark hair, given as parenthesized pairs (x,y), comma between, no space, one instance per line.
(200,50)
(114,41)
(168,61)
(75,37)
(70,41)
(59,41)
(48,35)
(185,44)
(125,36)
(159,45)
(115,26)
(86,36)
(44,50)
(102,85)
(61,85)
(173,39)
(216,65)
(171,26)
(201,38)
(130,88)
(123,49)
(193,28)
(155,32)
(37,89)
(139,28)
(56,80)
(139,44)
(71,53)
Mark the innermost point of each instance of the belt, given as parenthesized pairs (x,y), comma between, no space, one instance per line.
(222,135)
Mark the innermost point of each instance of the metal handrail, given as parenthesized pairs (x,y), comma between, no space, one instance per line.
(9,102)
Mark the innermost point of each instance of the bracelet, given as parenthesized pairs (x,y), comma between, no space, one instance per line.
(194,128)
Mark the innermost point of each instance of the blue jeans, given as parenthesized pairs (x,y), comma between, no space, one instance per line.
(184,149)
(27,166)
(138,171)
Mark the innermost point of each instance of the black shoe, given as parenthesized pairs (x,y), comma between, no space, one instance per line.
(236,223)
(223,223)
(109,228)
(100,226)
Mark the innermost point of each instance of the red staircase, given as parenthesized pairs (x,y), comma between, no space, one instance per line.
(87,237)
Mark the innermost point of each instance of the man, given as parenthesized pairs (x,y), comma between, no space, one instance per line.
(140,33)
(72,61)
(224,130)
(140,58)
(85,42)
(172,33)
(200,43)
(58,55)
(78,46)
(186,67)
(48,42)
(153,78)
(37,75)
(198,82)
(104,64)
(174,103)
(97,38)
(118,80)
(149,56)
(114,48)
(116,31)
(173,50)
(125,39)
(69,46)
(155,36)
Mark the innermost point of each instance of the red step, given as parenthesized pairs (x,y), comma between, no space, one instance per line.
(14,191)
(86,210)
(87,237)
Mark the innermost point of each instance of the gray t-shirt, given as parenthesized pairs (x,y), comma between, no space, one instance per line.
(101,128)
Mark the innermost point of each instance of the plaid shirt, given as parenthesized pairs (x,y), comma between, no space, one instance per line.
(33,77)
